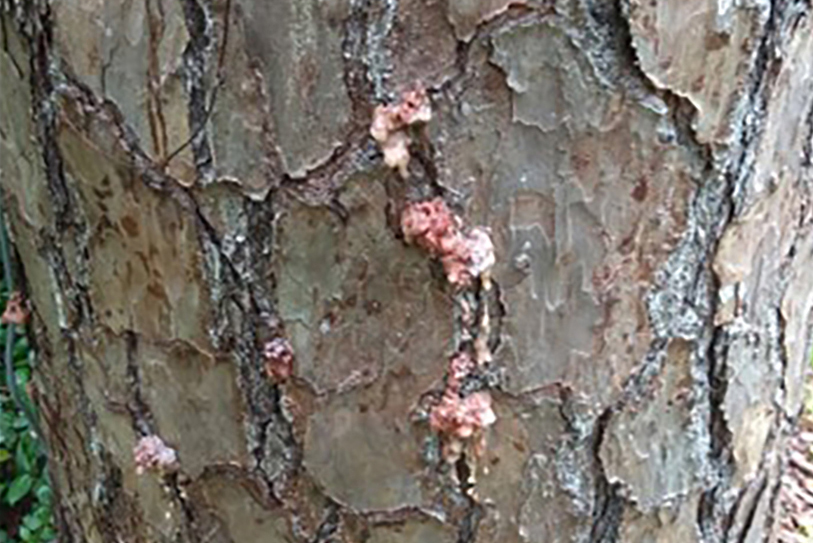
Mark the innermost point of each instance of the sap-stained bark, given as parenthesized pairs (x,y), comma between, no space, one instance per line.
(362,447)
(233,510)
(132,52)
(357,303)
(654,258)
(537,476)
(162,516)
(422,45)
(571,196)
(363,313)
(206,425)
(702,50)
(676,523)
(147,272)
(298,48)
(242,148)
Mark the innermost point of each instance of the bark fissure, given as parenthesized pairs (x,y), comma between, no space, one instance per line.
(681,303)
(190,524)
(329,525)
(717,509)
(558,442)
(711,515)
(710,222)
(608,505)
(752,509)
(139,410)
(158,127)
(196,60)
(467,532)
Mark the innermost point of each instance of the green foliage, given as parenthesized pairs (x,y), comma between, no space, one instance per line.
(26,501)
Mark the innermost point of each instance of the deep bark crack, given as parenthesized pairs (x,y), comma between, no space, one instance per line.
(196,64)
(143,423)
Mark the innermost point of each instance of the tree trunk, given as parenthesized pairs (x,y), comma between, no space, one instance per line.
(192,183)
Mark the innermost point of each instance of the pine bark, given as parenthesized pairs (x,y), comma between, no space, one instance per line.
(187,180)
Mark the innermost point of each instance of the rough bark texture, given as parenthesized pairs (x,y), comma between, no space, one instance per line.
(644,167)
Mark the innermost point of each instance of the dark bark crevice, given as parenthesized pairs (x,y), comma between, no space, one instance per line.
(717,511)
(608,505)
(771,518)
(713,516)
(807,148)
(143,423)
(354,45)
(36,27)
(711,211)
(329,525)
(752,506)
(243,289)
(111,512)
(467,530)
(240,316)
(765,68)
(196,63)
(190,523)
